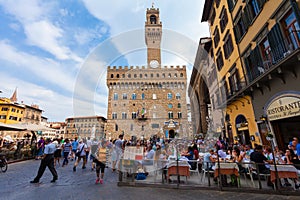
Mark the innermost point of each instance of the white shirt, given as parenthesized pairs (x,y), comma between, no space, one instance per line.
(80,147)
(49,148)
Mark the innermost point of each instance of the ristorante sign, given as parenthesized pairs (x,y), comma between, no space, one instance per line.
(284,107)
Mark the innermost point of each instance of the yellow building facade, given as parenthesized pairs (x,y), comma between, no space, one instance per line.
(259,79)
(10,113)
(238,122)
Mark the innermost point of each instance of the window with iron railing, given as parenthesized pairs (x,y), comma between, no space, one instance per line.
(266,53)
(292,30)
(234,82)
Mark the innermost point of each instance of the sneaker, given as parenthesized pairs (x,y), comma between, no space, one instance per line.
(97,180)
(101,181)
(74,169)
(34,181)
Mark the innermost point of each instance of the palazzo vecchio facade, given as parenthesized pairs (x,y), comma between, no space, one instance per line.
(144,101)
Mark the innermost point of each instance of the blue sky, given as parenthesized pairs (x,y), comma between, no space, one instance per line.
(56,52)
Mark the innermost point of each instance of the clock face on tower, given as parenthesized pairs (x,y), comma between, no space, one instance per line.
(154,63)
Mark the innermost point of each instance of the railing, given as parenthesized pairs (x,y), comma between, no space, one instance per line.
(219,175)
(281,51)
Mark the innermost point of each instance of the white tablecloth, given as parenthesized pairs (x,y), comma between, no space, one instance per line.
(284,168)
(180,163)
(227,166)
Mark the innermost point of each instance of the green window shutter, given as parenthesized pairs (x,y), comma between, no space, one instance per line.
(230,5)
(276,41)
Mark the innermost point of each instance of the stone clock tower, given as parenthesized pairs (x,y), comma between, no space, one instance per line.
(153,32)
(147,101)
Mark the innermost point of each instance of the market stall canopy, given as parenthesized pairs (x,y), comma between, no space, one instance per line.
(34,127)
(11,127)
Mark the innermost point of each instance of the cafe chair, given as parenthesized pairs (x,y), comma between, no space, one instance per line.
(196,170)
(254,172)
(206,172)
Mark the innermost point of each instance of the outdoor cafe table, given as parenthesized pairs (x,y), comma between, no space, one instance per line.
(284,171)
(183,168)
(226,169)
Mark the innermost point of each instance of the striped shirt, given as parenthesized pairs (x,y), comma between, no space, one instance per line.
(67,147)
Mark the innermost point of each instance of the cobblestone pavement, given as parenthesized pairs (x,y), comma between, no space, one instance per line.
(14,184)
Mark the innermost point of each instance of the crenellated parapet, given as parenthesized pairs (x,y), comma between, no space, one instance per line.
(124,68)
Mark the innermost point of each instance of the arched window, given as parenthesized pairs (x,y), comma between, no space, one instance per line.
(118,76)
(179,115)
(178,96)
(124,115)
(178,105)
(115,96)
(135,75)
(133,115)
(153,19)
(143,96)
(181,74)
(170,105)
(133,96)
(112,75)
(170,115)
(169,96)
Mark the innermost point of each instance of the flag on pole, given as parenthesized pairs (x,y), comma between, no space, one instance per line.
(143,112)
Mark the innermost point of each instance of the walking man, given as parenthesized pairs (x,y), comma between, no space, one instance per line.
(47,161)
(82,147)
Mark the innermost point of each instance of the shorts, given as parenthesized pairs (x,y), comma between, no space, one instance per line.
(99,165)
(57,153)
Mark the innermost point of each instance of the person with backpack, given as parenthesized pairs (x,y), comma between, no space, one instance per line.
(81,154)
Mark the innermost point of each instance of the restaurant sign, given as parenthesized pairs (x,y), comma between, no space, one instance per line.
(284,107)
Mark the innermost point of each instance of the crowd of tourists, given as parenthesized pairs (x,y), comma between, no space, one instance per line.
(60,151)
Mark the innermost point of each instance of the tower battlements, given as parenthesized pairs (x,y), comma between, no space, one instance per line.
(126,68)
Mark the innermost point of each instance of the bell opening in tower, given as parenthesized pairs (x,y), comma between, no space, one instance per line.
(153,19)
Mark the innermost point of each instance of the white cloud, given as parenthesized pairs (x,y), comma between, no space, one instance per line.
(15,26)
(40,31)
(181,17)
(47,36)
(48,100)
(46,69)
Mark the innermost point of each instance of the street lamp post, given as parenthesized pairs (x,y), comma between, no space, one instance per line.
(270,138)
